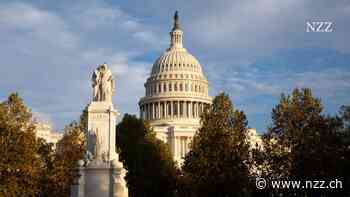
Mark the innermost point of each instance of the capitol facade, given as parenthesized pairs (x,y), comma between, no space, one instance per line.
(176,93)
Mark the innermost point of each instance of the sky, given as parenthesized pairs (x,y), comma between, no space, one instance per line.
(253,50)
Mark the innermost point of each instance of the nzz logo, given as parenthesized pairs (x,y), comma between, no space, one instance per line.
(319,26)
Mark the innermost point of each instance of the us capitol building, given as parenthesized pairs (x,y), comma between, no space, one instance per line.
(176,95)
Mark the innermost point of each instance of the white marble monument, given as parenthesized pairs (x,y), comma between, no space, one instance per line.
(101,174)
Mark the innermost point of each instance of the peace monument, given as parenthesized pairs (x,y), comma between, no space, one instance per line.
(101,173)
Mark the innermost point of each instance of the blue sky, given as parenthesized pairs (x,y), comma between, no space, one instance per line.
(254,50)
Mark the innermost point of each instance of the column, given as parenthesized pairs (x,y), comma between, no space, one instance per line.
(159,115)
(190,109)
(150,111)
(194,109)
(199,108)
(171,108)
(155,110)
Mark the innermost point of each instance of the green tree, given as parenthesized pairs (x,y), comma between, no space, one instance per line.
(19,161)
(302,143)
(151,169)
(218,163)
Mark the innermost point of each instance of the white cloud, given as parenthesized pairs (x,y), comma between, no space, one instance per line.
(52,55)
(35,25)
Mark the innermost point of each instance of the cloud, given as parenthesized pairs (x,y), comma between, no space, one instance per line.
(49,51)
(50,56)
(36,25)
(259,27)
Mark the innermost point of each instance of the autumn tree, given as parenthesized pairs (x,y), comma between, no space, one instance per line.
(19,161)
(58,173)
(302,143)
(70,149)
(151,169)
(218,163)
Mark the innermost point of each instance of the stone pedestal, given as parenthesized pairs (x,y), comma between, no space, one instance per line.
(101,174)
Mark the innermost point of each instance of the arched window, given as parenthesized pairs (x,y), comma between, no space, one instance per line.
(164,87)
(175,87)
(159,88)
(181,87)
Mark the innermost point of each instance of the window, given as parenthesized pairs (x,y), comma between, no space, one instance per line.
(175,87)
(159,88)
(170,88)
(175,108)
(181,88)
(169,108)
(164,88)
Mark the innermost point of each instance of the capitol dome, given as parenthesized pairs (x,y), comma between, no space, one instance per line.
(176,93)
(176,59)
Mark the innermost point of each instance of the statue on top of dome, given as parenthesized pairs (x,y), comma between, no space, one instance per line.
(103,84)
(176,21)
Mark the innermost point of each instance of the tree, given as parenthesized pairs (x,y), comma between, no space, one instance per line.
(218,163)
(70,149)
(302,143)
(344,146)
(151,169)
(19,161)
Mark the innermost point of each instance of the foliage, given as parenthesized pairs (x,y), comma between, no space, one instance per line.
(19,163)
(218,164)
(302,143)
(151,169)
(59,173)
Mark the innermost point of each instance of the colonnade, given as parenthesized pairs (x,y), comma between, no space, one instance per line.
(181,145)
(172,109)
